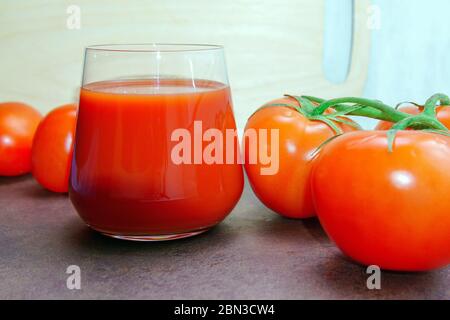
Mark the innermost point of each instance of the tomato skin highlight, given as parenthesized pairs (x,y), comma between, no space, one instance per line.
(386,209)
(18,123)
(288,192)
(53,148)
(442,113)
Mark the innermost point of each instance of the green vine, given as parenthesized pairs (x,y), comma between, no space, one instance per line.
(332,112)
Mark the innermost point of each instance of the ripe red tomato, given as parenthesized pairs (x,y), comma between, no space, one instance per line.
(288,191)
(386,208)
(53,147)
(18,123)
(443,115)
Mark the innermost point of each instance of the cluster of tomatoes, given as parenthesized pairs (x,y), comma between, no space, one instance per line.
(381,195)
(36,144)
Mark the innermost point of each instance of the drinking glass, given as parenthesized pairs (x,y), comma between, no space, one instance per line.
(156,153)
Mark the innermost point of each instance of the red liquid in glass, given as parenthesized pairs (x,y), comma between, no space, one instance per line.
(123,180)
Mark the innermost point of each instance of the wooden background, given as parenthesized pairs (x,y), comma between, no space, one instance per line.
(272,47)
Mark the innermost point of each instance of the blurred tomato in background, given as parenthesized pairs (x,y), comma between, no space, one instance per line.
(18,123)
(52,148)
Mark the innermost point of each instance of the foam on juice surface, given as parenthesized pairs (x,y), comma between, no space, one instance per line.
(154,86)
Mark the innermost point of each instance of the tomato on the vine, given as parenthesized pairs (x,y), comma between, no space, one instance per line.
(18,123)
(53,147)
(288,191)
(386,208)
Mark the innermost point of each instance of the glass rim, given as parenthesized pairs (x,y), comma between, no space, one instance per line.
(154,47)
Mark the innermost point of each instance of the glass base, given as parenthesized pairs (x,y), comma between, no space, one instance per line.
(150,238)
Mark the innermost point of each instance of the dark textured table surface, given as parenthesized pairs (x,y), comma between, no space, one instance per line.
(253,254)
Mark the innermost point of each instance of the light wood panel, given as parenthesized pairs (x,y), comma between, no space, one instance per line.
(272,47)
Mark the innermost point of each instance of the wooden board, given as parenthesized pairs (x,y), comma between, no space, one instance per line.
(272,47)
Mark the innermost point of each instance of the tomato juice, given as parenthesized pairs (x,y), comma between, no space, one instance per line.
(123,180)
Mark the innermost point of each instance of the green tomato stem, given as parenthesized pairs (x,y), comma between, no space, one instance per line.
(431,104)
(370,108)
(420,121)
(306,104)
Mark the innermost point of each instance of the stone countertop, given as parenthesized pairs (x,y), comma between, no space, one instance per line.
(253,254)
